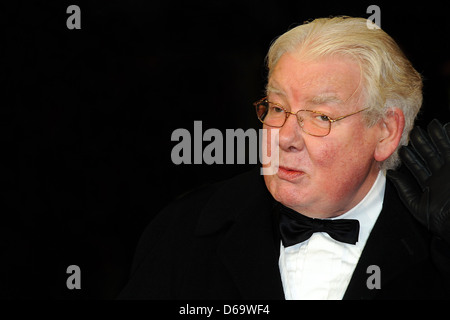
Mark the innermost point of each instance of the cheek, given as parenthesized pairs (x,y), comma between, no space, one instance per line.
(340,168)
(327,158)
(324,156)
(347,154)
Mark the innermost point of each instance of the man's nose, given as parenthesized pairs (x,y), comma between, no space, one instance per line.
(291,135)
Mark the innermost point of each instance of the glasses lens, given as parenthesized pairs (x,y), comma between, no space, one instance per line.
(314,123)
(261,110)
(270,114)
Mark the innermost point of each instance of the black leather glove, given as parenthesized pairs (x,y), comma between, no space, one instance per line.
(426,190)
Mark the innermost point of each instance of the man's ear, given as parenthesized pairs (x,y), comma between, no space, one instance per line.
(390,133)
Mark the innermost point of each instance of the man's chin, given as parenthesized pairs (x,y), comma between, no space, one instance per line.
(285,192)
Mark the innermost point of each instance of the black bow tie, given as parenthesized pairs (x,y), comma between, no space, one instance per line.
(296,228)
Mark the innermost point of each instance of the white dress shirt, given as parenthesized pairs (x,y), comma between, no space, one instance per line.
(320,268)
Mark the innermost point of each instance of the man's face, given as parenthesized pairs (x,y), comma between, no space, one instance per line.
(322,176)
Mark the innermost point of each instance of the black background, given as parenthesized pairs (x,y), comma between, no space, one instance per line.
(87,117)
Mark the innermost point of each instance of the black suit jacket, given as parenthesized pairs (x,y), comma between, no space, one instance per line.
(221,242)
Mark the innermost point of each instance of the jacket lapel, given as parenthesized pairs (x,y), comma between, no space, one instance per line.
(251,256)
(249,249)
(393,246)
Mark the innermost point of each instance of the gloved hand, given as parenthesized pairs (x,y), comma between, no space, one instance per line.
(426,190)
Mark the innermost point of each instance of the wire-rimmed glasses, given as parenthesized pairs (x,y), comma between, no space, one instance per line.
(314,123)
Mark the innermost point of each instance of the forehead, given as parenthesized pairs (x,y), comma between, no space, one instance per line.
(328,78)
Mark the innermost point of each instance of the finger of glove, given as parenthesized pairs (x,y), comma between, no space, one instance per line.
(447,129)
(425,149)
(440,139)
(415,165)
(409,192)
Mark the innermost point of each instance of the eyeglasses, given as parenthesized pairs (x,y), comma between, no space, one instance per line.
(312,122)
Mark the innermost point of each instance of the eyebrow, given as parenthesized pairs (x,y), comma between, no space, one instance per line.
(274,90)
(326,98)
(318,99)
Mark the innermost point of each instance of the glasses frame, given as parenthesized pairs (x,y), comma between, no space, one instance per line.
(288,113)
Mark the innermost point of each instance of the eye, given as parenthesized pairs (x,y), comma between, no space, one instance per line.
(278,109)
(275,109)
(323,117)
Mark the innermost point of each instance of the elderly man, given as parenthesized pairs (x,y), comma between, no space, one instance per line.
(327,224)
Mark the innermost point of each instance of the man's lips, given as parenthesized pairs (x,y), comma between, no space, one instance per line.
(287,173)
